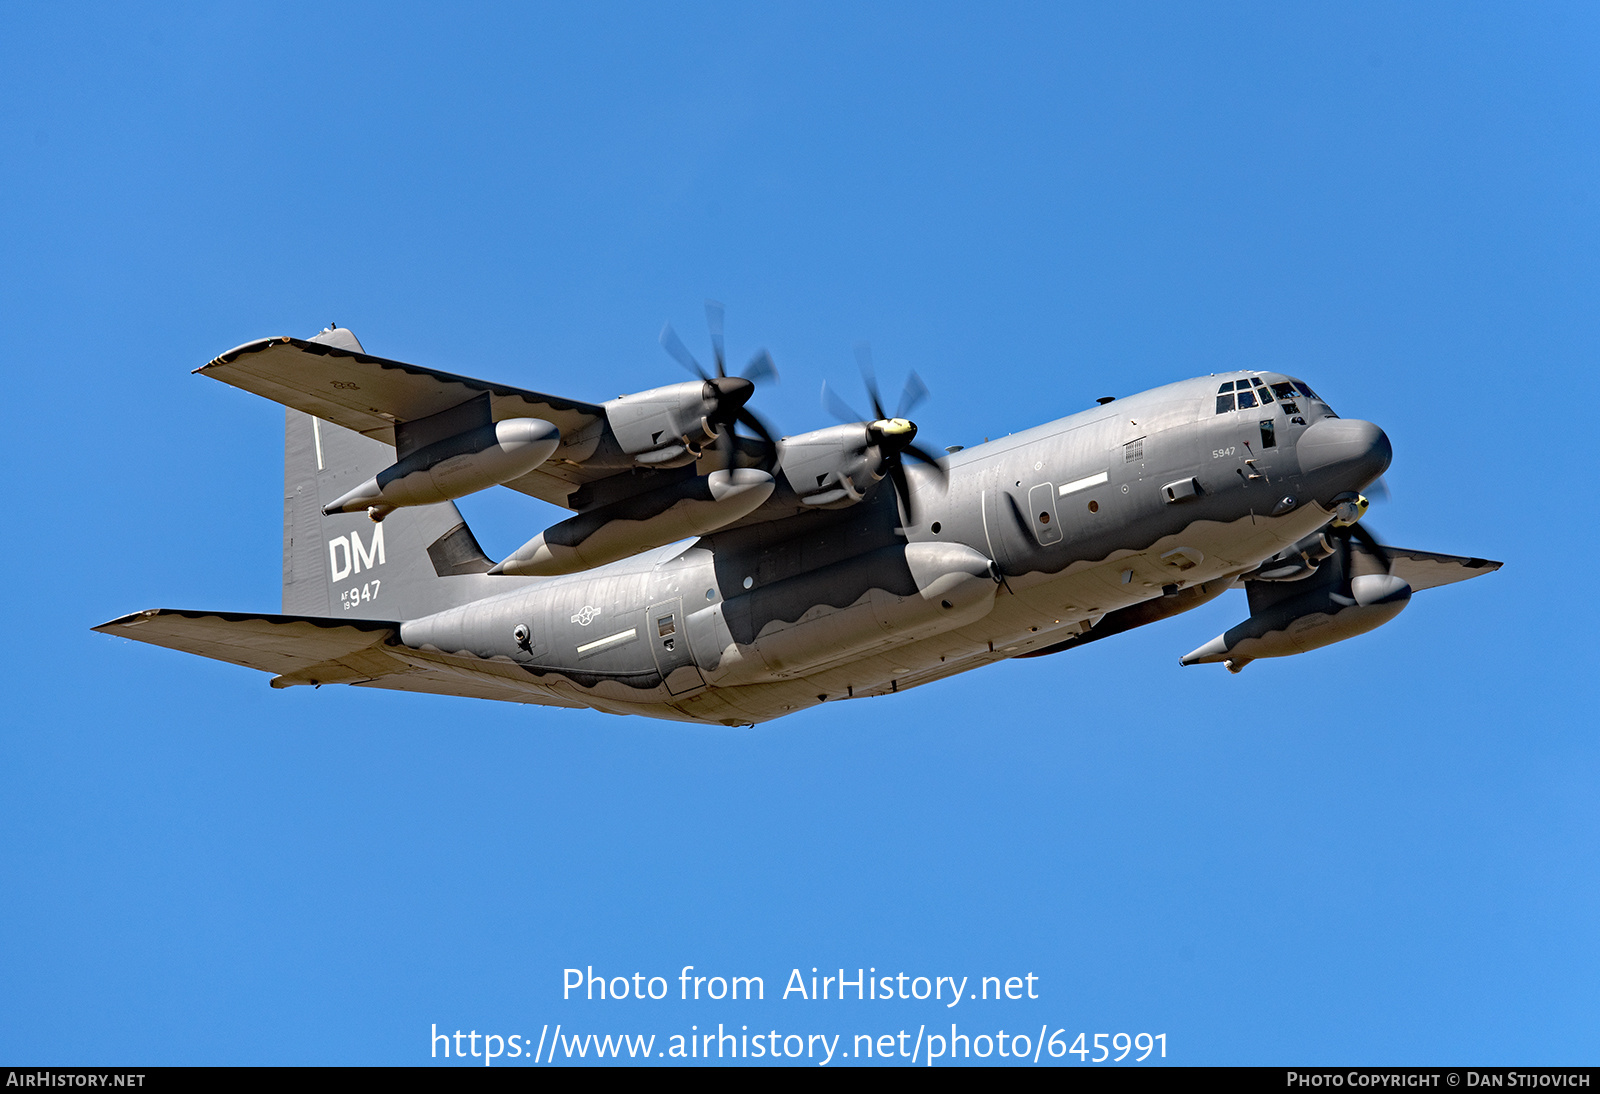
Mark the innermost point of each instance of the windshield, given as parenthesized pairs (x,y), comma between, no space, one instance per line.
(1253,392)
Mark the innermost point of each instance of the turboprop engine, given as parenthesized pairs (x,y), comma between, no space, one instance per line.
(669,426)
(692,507)
(454,467)
(835,467)
(1299,602)
(832,467)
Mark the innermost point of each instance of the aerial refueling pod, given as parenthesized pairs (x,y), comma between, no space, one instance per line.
(454,467)
(1288,617)
(692,507)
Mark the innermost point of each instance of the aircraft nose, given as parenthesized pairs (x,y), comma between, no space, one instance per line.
(1348,450)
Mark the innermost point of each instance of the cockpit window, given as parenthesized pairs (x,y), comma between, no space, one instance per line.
(1246,393)
(1307,392)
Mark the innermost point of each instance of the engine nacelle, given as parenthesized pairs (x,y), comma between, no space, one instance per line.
(833,467)
(665,426)
(625,528)
(454,467)
(1318,617)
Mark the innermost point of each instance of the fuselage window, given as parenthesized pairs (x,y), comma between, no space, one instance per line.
(1247,399)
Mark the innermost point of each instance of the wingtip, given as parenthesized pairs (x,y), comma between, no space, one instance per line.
(245,347)
(133,619)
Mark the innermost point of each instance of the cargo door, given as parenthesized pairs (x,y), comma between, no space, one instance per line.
(669,642)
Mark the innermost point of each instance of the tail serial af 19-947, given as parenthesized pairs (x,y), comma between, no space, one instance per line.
(709,576)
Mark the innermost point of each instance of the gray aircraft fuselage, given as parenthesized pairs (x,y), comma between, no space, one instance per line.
(1120,515)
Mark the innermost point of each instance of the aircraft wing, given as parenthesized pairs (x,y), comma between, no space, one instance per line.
(1427,569)
(311,650)
(372,395)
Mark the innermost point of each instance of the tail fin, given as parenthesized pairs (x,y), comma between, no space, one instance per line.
(419,560)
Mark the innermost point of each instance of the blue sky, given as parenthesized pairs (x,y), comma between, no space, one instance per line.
(1386,851)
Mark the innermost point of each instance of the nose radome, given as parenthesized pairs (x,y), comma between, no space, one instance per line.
(1354,450)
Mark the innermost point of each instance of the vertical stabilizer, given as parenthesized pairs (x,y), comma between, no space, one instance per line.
(419,560)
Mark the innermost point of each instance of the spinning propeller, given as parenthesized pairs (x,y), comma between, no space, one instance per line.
(892,437)
(1346,526)
(727,395)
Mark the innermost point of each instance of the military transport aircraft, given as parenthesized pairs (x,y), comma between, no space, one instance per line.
(711,577)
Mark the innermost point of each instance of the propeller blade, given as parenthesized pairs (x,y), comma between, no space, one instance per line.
(680,352)
(911,396)
(769,456)
(714,318)
(1371,543)
(761,368)
(837,406)
(868,377)
(931,460)
(1379,491)
(760,428)
(902,488)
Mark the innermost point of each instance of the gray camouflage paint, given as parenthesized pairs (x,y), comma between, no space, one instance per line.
(845,602)
(816,590)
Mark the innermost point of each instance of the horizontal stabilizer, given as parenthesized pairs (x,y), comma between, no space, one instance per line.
(311,650)
(1427,569)
(371,394)
(281,644)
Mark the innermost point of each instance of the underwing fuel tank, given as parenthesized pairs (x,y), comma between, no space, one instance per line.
(454,467)
(625,528)
(1318,617)
(881,599)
